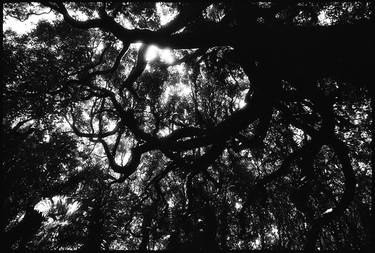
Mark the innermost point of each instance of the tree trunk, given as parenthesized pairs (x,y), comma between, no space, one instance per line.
(95,229)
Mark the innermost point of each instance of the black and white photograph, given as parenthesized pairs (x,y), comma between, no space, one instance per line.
(188,126)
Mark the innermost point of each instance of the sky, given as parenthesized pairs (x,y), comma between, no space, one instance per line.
(166,55)
(165,14)
(28,25)
(163,11)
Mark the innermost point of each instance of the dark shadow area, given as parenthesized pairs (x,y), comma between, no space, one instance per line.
(188,127)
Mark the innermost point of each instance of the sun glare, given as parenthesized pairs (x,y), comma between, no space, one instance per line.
(167,56)
(153,52)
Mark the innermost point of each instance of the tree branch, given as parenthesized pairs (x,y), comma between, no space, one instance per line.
(135,72)
(60,8)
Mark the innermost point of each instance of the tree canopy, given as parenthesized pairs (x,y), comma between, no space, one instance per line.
(233,125)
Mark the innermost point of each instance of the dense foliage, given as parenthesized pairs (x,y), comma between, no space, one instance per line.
(188,126)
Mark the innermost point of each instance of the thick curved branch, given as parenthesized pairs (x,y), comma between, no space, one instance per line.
(93,74)
(183,133)
(342,153)
(130,166)
(107,23)
(325,136)
(135,72)
(131,122)
(187,13)
(299,51)
(90,135)
(259,106)
(59,7)
(115,64)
